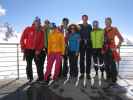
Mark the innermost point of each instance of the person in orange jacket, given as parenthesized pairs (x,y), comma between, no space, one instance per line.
(56,46)
(27,47)
(110,50)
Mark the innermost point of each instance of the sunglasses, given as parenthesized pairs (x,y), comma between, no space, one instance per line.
(72,28)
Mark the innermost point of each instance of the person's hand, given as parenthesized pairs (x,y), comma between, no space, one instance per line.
(44,49)
(113,49)
(24,57)
(102,51)
(22,50)
(37,53)
(77,54)
(118,46)
(62,55)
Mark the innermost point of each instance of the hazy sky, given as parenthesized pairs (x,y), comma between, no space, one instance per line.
(21,13)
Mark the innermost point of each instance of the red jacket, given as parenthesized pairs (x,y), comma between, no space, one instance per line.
(31,39)
(39,40)
(26,40)
(110,34)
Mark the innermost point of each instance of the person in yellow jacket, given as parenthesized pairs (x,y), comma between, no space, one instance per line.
(56,46)
(97,40)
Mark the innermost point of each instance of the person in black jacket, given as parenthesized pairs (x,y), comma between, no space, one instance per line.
(85,47)
(64,29)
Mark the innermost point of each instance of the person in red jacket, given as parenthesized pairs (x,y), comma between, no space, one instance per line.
(27,48)
(32,45)
(40,51)
(111,54)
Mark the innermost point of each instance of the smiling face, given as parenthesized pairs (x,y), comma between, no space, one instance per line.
(73,29)
(46,23)
(65,22)
(95,24)
(85,18)
(37,24)
(108,22)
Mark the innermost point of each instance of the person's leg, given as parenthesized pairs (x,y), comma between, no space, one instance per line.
(88,61)
(101,62)
(29,54)
(50,61)
(107,60)
(75,69)
(70,62)
(82,58)
(42,58)
(95,60)
(65,66)
(72,59)
(114,71)
(39,60)
(58,59)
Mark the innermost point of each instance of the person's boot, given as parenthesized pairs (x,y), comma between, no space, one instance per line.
(96,74)
(88,76)
(82,76)
(102,74)
(30,81)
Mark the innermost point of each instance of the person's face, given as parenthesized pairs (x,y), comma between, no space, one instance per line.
(73,29)
(95,25)
(37,24)
(107,23)
(46,23)
(65,23)
(84,19)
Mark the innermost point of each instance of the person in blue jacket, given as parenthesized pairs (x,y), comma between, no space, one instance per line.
(73,49)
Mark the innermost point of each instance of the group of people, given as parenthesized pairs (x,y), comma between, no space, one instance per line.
(67,43)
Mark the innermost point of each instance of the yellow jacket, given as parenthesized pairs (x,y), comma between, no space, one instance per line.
(56,42)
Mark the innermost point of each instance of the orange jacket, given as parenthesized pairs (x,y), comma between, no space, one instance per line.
(56,42)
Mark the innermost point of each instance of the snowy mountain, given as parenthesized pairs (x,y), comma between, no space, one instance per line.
(8,34)
(127,42)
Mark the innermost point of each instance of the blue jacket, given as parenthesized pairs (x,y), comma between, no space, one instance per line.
(73,42)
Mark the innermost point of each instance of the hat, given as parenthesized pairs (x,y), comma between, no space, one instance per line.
(53,25)
(37,19)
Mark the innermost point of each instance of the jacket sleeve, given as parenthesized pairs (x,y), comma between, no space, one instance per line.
(103,37)
(49,43)
(23,38)
(40,41)
(62,41)
(91,37)
(119,35)
(78,43)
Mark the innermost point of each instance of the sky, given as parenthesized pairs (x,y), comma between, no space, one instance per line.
(21,13)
